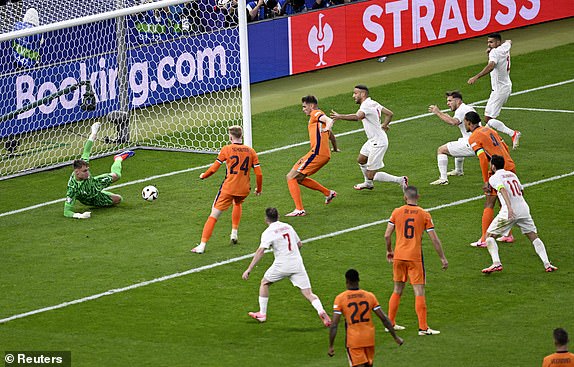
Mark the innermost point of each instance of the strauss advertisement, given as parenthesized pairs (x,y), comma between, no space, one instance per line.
(366,30)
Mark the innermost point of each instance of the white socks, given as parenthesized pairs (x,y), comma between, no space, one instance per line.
(541,251)
(317,305)
(493,250)
(459,164)
(364,170)
(499,125)
(442,160)
(263,305)
(385,177)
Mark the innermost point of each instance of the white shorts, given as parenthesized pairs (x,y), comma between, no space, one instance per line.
(299,279)
(460,148)
(375,152)
(495,102)
(501,225)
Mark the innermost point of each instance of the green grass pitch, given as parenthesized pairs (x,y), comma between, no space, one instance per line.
(200,319)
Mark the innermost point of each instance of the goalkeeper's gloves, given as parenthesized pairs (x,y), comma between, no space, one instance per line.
(84,215)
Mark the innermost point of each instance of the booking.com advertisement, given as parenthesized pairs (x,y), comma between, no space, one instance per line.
(167,67)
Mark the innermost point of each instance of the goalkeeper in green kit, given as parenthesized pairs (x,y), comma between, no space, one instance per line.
(89,190)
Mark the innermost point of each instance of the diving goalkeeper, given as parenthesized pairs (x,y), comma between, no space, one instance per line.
(89,190)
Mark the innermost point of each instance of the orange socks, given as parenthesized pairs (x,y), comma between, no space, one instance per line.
(236,216)
(394,306)
(314,185)
(208,229)
(487,217)
(295,193)
(421,308)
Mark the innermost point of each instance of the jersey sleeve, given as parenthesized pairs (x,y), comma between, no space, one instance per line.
(266,240)
(69,203)
(338,304)
(393,218)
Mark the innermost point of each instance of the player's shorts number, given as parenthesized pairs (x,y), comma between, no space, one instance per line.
(364,306)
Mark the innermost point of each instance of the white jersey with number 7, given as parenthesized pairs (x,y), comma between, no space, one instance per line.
(283,240)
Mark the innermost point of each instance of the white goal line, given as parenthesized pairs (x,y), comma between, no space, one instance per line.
(248,256)
(285,147)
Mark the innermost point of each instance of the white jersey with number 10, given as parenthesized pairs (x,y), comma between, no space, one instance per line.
(513,187)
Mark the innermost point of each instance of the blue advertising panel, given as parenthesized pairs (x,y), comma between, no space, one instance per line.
(268,50)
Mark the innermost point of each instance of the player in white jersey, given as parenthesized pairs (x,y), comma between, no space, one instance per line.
(373,151)
(285,243)
(514,211)
(457,149)
(499,69)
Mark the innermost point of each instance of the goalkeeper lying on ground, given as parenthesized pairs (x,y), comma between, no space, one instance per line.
(90,190)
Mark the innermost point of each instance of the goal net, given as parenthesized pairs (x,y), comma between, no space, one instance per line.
(156,74)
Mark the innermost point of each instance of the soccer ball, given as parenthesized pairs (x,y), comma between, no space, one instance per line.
(149,193)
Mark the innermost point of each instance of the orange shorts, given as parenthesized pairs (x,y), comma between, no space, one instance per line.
(223,201)
(413,270)
(359,356)
(310,163)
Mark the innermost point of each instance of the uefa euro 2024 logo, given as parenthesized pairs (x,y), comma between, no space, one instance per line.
(320,39)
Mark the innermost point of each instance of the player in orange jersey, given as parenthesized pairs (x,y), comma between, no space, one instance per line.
(356,305)
(410,221)
(319,127)
(239,160)
(562,357)
(485,142)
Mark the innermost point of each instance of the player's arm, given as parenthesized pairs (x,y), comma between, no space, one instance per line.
(327,121)
(211,170)
(333,140)
(388,234)
(444,116)
(484,162)
(258,256)
(438,247)
(69,210)
(502,190)
(333,332)
(388,324)
(349,117)
(387,117)
(258,178)
(487,69)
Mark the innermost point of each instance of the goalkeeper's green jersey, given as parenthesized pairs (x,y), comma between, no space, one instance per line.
(90,191)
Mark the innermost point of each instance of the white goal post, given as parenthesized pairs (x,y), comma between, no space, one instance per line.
(167,75)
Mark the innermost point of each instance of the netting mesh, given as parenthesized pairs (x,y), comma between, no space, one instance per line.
(167,78)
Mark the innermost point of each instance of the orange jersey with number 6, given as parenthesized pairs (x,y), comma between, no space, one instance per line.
(410,222)
(239,160)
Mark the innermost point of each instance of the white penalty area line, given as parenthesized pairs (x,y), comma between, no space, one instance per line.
(147,179)
(248,256)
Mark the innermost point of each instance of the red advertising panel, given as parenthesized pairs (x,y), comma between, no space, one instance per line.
(381,27)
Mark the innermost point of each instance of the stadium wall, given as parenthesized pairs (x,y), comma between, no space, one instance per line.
(277,48)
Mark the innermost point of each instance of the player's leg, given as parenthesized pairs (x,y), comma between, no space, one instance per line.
(301,280)
(116,169)
(442,154)
(261,315)
(493,108)
(375,162)
(293,178)
(222,203)
(399,277)
(362,160)
(487,216)
(236,218)
(529,229)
